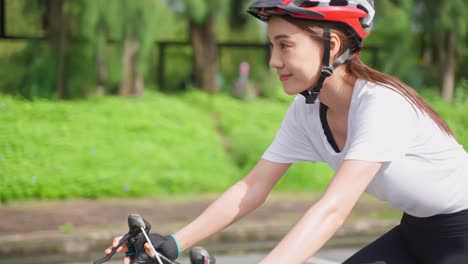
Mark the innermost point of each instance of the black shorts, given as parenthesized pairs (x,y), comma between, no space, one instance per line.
(439,239)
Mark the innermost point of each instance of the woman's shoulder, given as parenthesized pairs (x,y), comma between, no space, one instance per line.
(369,88)
(368,92)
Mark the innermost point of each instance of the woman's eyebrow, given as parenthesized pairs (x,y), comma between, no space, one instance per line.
(281,36)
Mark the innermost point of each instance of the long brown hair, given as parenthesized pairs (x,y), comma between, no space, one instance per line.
(357,68)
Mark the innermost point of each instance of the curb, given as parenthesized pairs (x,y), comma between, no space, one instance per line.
(53,247)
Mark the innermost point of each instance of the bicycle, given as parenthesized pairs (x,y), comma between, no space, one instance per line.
(137,236)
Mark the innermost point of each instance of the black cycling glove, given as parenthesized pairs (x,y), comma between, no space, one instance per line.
(166,246)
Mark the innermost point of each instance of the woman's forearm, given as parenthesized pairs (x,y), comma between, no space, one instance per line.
(324,218)
(236,202)
(307,236)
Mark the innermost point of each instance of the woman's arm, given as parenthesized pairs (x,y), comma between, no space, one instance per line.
(324,218)
(237,201)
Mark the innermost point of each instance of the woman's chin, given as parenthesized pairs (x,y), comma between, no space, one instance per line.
(291,91)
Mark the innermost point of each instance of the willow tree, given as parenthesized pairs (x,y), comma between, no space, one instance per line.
(135,19)
(445,27)
(95,29)
(131,25)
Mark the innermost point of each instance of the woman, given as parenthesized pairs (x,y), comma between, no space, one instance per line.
(376,133)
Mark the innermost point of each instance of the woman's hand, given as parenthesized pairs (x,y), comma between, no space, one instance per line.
(165,245)
(123,248)
(115,242)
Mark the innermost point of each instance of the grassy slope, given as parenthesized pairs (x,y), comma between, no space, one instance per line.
(154,145)
(108,147)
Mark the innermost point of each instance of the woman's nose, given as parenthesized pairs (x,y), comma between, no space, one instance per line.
(275,60)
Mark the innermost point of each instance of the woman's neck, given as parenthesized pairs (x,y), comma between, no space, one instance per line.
(337,91)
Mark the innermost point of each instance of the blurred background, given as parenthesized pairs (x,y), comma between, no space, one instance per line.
(148,98)
(134,98)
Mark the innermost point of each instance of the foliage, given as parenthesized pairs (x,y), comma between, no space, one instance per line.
(96,28)
(36,80)
(453,113)
(101,25)
(445,31)
(439,16)
(30,24)
(197,10)
(461,92)
(397,43)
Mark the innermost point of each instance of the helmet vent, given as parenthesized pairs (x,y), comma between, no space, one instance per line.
(363,8)
(309,4)
(338,3)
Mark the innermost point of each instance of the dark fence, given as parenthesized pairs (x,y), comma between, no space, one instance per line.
(164,45)
(2,18)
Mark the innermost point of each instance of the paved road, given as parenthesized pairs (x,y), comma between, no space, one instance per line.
(326,256)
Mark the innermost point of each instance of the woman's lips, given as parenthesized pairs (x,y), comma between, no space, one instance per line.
(285,77)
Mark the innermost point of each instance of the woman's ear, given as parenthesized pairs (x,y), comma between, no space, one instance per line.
(335,47)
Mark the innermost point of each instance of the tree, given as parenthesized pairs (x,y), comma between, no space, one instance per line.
(445,26)
(57,34)
(397,41)
(200,15)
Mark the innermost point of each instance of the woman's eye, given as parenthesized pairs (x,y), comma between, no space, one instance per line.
(280,45)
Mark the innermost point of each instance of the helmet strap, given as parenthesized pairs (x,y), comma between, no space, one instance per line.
(327,70)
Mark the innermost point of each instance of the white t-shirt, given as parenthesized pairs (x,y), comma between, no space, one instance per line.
(425,171)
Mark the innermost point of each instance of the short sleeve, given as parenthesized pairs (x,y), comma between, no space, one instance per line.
(291,143)
(383,126)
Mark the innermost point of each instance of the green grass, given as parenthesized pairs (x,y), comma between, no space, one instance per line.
(108,147)
(150,146)
(250,128)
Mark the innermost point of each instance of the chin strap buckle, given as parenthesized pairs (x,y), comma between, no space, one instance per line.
(326,72)
(311,95)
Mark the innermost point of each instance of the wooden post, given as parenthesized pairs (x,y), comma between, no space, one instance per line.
(2,18)
(161,65)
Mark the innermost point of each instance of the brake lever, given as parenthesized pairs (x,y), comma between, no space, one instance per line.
(108,257)
(136,225)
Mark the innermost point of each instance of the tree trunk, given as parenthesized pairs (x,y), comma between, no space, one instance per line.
(132,83)
(205,53)
(101,60)
(102,73)
(448,66)
(57,33)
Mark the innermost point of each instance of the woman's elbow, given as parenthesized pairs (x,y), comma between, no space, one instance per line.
(335,212)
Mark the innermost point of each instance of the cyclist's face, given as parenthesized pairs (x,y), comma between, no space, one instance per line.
(294,54)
